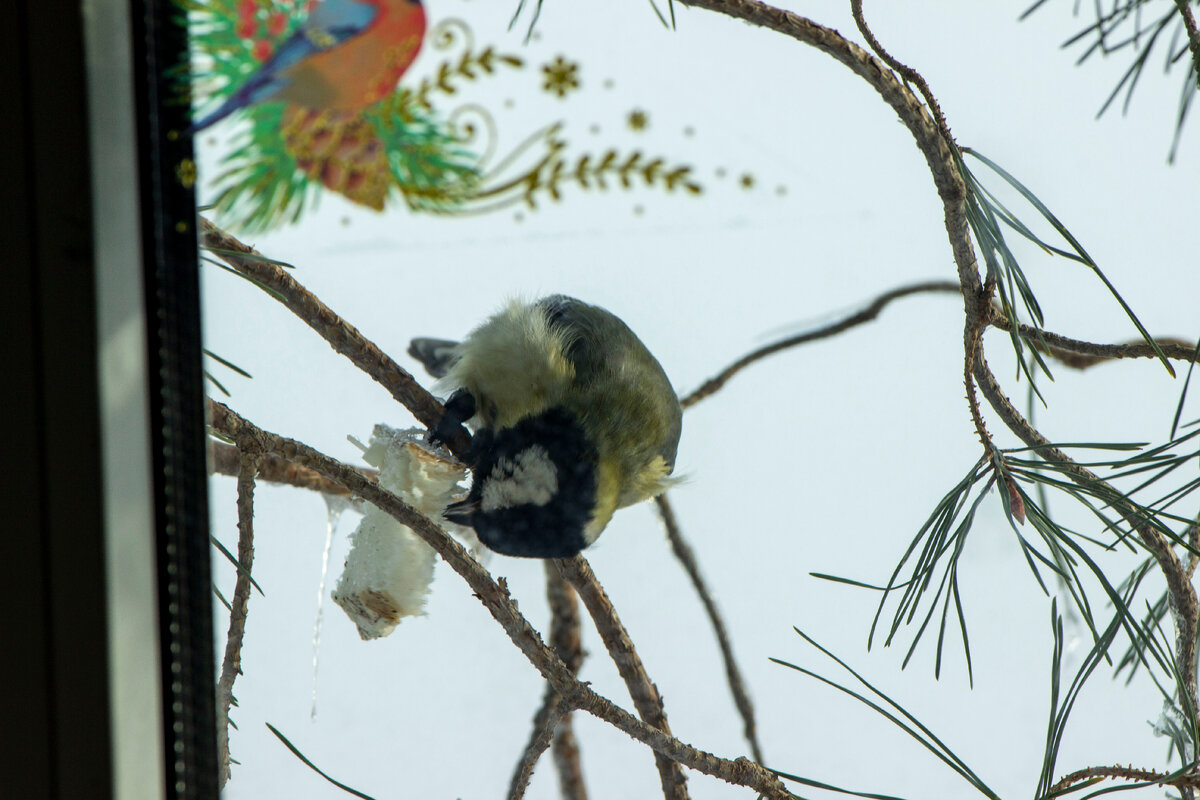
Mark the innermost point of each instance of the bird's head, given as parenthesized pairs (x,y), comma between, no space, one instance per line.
(534,492)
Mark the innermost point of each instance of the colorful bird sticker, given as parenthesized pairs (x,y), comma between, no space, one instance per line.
(347,55)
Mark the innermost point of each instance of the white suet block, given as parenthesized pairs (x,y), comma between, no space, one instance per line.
(389,568)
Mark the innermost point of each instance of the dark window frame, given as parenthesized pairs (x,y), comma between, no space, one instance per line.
(91,108)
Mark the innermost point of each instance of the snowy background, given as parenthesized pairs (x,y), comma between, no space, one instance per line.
(825,458)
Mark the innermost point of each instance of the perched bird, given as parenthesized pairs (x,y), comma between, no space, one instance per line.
(572,417)
(346,56)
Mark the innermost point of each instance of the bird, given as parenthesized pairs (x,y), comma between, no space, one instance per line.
(347,55)
(572,416)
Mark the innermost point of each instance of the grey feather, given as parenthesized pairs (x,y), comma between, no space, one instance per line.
(437,355)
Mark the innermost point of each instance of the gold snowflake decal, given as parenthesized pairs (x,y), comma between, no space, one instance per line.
(638,120)
(561,76)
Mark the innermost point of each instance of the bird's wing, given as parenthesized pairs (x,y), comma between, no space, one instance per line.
(335,21)
(330,23)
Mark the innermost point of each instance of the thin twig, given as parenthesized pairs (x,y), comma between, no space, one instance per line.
(1126,773)
(544,723)
(565,635)
(1079,354)
(231,664)
(646,698)
(973,328)
(566,640)
(223,459)
(553,718)
(341,335)
(866,314)
(495,598)
(567,761)
(733,675)
(908,73)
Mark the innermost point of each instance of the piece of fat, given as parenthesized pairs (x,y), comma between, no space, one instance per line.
(389,568)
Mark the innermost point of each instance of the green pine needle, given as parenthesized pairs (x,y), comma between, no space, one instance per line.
(296,752)
(909,724)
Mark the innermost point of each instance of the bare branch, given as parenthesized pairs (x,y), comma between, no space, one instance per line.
(973,328)
(565,634)
(567,642)
(544,723)
(1127,773)
(341,335)
(566,761)
(231,665)
(866,314)
(740,771)
(223,459)
(1081,355)
(646,698)
(908,73)
(733,675)
(553,718)
(495,598)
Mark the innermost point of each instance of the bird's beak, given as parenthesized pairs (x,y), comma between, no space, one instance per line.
(462,512)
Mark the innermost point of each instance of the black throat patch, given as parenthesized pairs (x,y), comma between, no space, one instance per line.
(534,488)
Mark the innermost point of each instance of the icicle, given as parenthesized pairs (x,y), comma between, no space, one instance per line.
(335,506)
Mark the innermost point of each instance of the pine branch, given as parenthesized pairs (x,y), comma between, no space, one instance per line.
(1182,593)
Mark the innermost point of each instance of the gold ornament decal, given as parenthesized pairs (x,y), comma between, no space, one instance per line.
(340,150)
(561,77)
(421,145)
